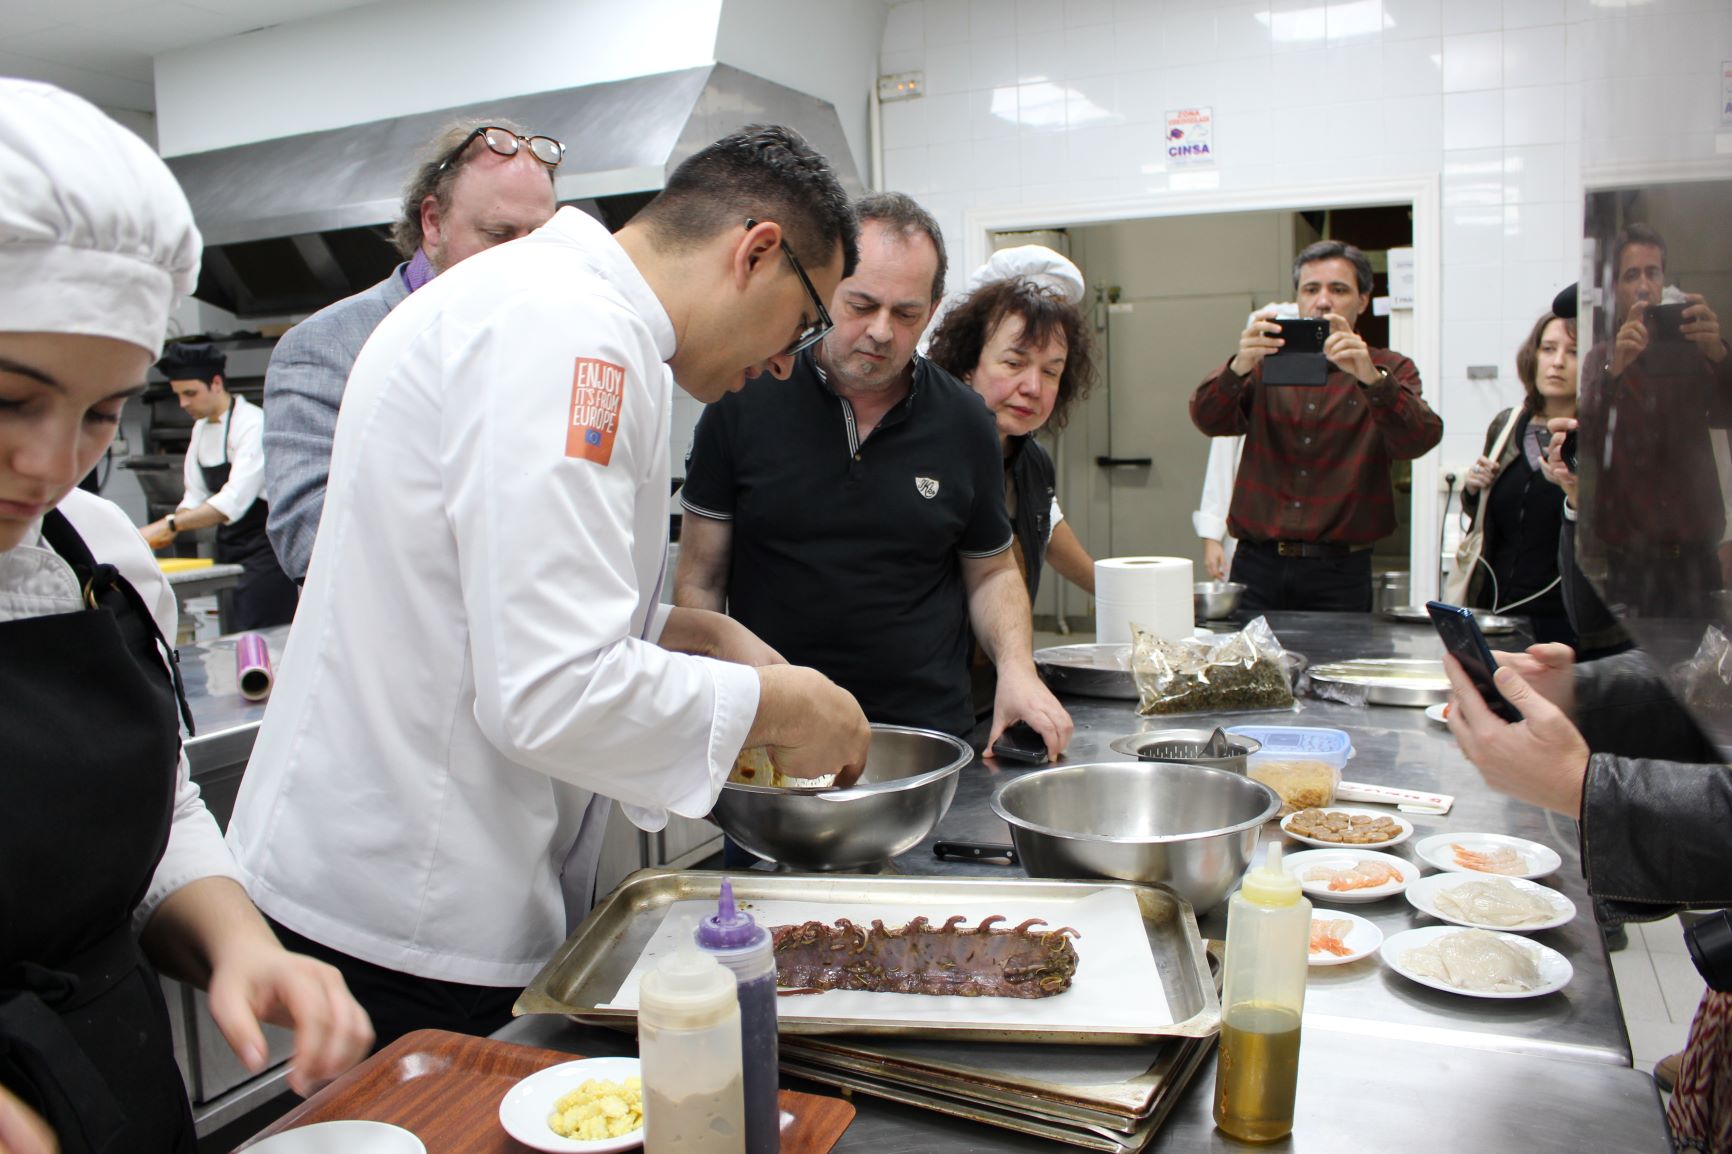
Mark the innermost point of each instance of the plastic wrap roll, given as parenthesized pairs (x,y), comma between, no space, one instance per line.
(1155,592)
(253,666)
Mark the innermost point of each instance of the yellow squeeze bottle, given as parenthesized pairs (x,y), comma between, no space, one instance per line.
(1262,1000)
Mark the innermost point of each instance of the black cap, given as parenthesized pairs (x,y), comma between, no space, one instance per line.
(1564,304)
(190,360)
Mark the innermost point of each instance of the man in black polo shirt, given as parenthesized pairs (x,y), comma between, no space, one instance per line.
(853,515)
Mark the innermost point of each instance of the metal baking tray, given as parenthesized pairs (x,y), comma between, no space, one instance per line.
(587,970)
(1388,680)
(1490,624)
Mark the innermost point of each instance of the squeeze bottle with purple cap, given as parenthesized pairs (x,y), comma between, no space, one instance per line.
(731,937)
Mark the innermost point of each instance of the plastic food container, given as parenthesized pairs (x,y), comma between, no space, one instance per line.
(1302,763)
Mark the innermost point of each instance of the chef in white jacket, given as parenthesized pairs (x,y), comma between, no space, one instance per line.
(480,657)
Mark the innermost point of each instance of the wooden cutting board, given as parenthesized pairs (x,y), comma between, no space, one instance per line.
(445,1088)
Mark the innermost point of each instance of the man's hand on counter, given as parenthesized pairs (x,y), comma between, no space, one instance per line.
(1023,696)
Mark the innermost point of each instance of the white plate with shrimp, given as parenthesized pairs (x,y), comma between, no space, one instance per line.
(1488,853)
(1350,875)
(1423,896)
(1438,713)
(1333,945)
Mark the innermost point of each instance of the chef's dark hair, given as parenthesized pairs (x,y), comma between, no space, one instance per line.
(192,360)
(963,333)
(1336,250)
(763,172)
(902,215)
(432,181)
(1637,233)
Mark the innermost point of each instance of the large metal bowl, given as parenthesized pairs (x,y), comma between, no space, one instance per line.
(1187,826)
(1213,600)
(908,783)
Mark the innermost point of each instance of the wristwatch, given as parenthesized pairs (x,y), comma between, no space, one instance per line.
(169,520)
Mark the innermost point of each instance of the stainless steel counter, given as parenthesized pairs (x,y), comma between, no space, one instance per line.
(1385,1061)
(203,582)
(227,723)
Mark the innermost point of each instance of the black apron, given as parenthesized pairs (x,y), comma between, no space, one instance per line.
(87,779)
(264,596)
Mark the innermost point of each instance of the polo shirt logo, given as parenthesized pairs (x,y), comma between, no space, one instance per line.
(928,486)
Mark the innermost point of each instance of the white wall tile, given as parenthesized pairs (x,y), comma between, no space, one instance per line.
(1359,67)
(905,170)
(1194,86)
(1534,55)
(1243,85)
(1242,30)
(1088,51)
(1473,177)
(1413,67)
(946,22)
(1091,101)
(1302,79)
(946,118)
(1136,44)
(1471,343)
(950,168)
(1092,153)
(994,113)
(1527,13)
(905,27)
(1038,16)
(1045,157)
(1411,19)
(1041,106)
(1414,124)
(905,122)
(990,19)
(1472,119)
(1473,61)
(1534,174)
(907,60)
(1353,20)
(1473,234)
(1298,25)
(1529,286)
(1472,292)
(1142,96)
(1356,129)
(1536,115)
(1535,232)
(1471,16)
(949,67)
(997,163)
(1188,34)
(993,62)
(1040,56)
(1081,13)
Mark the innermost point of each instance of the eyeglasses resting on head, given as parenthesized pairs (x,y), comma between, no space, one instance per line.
(506,143)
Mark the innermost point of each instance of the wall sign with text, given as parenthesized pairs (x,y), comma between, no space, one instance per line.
(1190,138)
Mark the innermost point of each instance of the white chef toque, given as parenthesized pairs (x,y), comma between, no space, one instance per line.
(1036,263)
(96,237)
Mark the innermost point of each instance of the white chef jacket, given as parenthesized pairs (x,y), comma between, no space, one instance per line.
(243,448)
(1219,476)
(474,652)
(35,581)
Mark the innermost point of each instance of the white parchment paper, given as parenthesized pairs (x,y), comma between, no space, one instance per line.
(1116,989)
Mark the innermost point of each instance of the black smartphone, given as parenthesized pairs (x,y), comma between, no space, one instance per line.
(1301,335)
(1666,322)
(1021,742)
(1568,451)
(1461,636)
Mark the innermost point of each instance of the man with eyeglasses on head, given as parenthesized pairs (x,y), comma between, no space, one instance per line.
(481,659)
(481,185)
(853,516)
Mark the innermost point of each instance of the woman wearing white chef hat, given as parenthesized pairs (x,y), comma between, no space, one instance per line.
(1020,339)
(109,862)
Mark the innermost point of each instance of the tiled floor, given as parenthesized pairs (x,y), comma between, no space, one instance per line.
(1657,983)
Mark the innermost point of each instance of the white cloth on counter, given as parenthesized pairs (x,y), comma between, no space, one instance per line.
(90,221)
(35,581)
(473,657)
(242,445)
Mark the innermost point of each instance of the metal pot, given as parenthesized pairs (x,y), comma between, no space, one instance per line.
(1393,590)
(1213,600)
(908,784)
(1185,745)
(1187,826)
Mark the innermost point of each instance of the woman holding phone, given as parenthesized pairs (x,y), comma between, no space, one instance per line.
(1507,493)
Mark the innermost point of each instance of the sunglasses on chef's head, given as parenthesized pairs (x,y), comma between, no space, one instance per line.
(811,332)
(506,143)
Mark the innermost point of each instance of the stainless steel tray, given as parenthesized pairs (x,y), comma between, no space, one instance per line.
(1388,680)
(587,970)
(1490,624)
(1088,670)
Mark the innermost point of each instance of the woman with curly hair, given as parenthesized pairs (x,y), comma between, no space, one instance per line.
(1021,341)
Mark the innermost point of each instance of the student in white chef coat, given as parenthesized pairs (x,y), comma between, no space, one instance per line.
(480,649)
(110,865)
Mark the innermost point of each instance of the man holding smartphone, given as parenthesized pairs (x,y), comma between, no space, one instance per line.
(1313,492)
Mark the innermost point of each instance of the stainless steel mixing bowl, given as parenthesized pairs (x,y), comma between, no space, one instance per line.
(1187,826)
(1213,600)
(908,783)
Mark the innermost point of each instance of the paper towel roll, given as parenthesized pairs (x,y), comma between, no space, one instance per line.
(1155,592)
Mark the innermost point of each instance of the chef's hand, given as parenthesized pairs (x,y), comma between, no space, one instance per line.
(1550,669)
(1215,558)
(1023,696)
(1483,473)
(1632,339)
(1552,463)
(1261,337)
(1347,351)
(21,1130)
(1541,759)
(813,726)
(260,981)
(157,534)
(1703,327)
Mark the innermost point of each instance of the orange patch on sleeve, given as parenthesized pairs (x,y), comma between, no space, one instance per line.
(597,392)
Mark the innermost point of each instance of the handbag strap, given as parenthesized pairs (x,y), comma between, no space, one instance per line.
(1515,416)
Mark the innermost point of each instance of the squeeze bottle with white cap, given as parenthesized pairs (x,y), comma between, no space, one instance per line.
(1262,1000)
(732,938)
(688,1037)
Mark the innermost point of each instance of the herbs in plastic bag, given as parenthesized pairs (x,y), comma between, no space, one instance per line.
(1226,673)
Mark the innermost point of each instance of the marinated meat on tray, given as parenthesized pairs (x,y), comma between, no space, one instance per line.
(920,958)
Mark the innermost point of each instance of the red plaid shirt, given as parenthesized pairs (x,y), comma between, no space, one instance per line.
(1316,463)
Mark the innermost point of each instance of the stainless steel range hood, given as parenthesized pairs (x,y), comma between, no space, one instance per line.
(292,224)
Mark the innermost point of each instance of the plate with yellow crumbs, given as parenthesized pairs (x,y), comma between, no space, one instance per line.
(589,1106)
